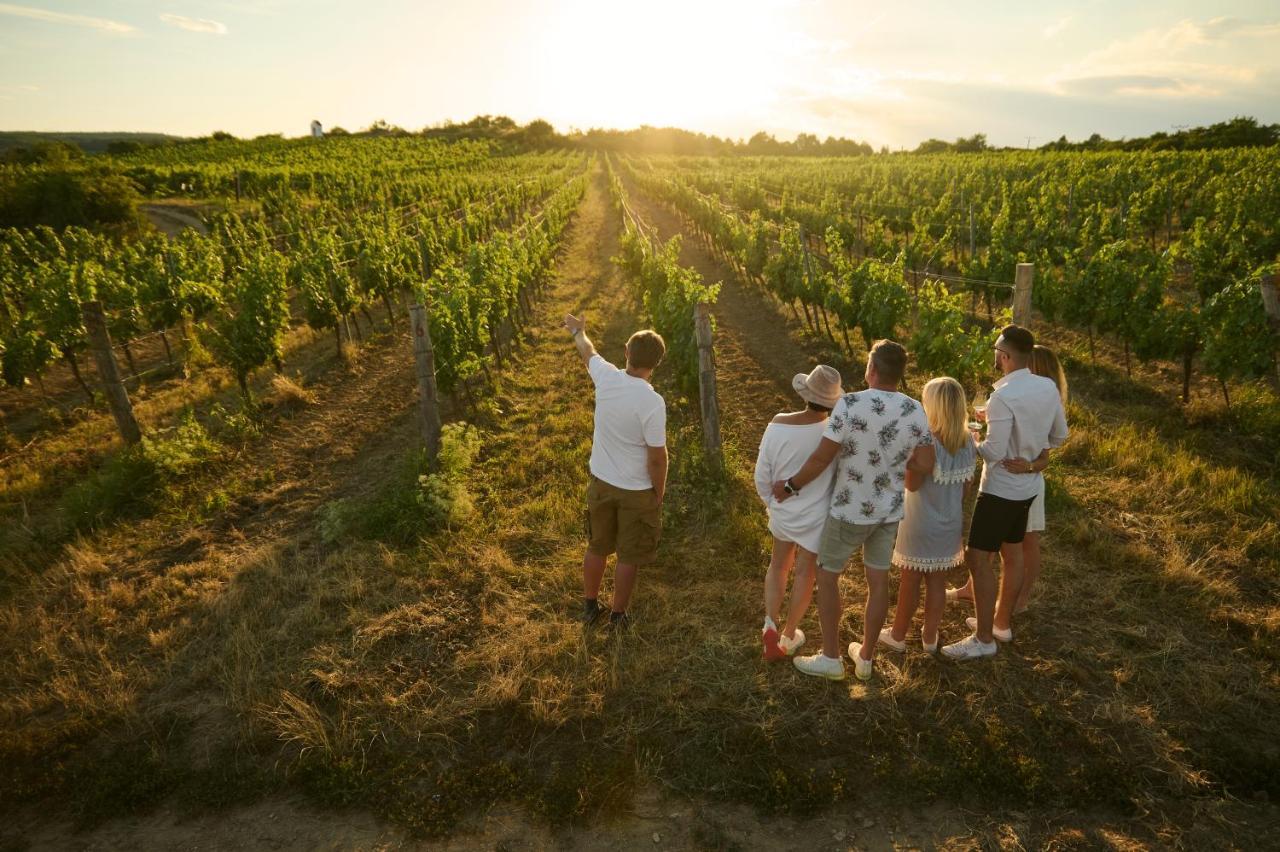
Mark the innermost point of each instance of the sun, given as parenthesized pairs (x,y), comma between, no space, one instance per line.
(666,62)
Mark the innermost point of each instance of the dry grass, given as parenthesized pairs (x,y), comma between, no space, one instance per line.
(425,682)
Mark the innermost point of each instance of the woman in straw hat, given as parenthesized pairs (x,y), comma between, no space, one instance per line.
(796,524)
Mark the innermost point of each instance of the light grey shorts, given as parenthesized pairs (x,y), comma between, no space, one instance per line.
(841,538)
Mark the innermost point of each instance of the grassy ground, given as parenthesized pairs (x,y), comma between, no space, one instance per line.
(260,651)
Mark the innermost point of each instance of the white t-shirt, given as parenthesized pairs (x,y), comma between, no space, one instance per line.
(877,431)
(630,417)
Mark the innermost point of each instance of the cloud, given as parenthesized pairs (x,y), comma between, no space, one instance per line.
(1120,107)
(195,25)
(103,24)
(1188,59)
(1057,26)
(1138,85)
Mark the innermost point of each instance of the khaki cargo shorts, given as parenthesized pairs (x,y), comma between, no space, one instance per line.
(841,538)
(626,522)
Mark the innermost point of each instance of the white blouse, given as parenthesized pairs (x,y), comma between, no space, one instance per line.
(784,449)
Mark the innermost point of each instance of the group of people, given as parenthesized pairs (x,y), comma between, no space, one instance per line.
(874,471)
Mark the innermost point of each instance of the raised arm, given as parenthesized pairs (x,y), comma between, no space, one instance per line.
(578,328)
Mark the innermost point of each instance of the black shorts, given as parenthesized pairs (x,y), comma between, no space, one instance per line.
(998,521)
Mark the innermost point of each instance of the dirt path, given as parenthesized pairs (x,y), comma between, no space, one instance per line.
(172,218)
(758,347)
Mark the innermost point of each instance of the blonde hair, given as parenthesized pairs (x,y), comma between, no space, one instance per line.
(947,409)
(1045,363)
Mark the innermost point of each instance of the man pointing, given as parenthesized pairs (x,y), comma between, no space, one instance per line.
(628,468)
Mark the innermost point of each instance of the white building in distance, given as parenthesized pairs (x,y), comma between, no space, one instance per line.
(316,130)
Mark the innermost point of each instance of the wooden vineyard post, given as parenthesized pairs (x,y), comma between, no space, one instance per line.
(1271,304)
(1271,299)
(707,380)
(425,368)
(95,324)
(1022,294)
(971,242)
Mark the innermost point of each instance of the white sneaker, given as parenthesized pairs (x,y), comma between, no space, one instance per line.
(1002,635)
(887,640)
(861,668)
(969,649)
(929,649)
(790,646)
(820,665)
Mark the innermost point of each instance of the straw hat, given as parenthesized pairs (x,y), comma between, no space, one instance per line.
(821,386)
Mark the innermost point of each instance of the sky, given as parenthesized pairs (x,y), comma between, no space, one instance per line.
(890,73)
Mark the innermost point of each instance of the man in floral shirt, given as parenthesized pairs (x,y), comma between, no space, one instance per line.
(873,436)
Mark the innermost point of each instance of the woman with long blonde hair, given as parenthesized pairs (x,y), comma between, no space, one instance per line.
(1043,363)
(931,536)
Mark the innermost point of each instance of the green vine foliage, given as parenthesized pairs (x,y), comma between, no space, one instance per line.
(249,331)
(945,342)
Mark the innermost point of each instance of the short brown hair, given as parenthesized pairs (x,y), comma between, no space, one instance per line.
(890,361)
(645,349)
(1019,339)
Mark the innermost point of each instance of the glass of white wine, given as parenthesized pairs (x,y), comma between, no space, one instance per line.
(980,413)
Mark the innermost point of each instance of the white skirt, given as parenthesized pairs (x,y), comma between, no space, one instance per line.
(1035,517)
(807,535)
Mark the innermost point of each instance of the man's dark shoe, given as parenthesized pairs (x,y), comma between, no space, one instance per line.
(591,612)
(619,622)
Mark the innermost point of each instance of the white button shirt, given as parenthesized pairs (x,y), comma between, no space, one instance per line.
(1024,418)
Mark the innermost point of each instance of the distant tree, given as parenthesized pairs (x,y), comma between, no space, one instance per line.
(382,128)
(51,153)
(62,197)
(932,146)
(975,143)
(807,143)
(124,146)
(540,134)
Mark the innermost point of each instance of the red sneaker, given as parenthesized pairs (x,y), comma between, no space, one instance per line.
(771,649)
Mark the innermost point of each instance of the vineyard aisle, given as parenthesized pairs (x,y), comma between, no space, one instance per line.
(305,693)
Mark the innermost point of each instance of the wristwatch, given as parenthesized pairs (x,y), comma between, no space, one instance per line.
(790,487)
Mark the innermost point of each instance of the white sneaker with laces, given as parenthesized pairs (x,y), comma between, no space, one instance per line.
(1002,635)
(820,665)
(862,669)
(887,640)
(969,649)
(790,646)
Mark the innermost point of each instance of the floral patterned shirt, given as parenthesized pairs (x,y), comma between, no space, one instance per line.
(877,431)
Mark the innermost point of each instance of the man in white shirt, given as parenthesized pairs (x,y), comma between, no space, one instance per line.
(1024,418)
(873,436)
(628,468)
